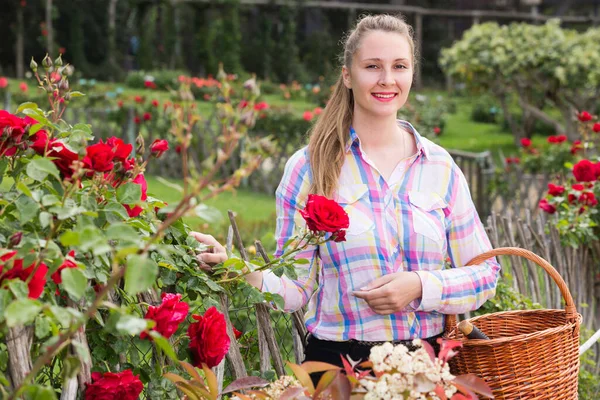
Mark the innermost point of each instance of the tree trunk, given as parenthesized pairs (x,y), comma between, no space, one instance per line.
(112,38)
(18,342)
(20,44)
(49,29)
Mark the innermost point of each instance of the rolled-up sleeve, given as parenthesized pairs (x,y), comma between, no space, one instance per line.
(291,196)
(460,289)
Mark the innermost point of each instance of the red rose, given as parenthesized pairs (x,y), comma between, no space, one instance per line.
(588,198)
(3,82)
(138,99)
(552,139)
(155,103)
(147,116)
(437,130)
(261,106)
(584,171)
(561,138)
(340,236)
(238,334)
(68,263)
(584,116)
(39,141)
(516,160)
(137,120)
(508,160)
(35,283)
(547,207)
(148,84)
(317,110)
(307,116)
(121,149)
(12,129)
(208,338)
(596,127)
(23,87)
(158,147)
(111,386)
(555,190)
(137,210)
(577,186)
(525,142)
(120,103)
(576,146)
(62,157)
(571,198)
(168,315)
(243,104)
(99,157)
(323,214)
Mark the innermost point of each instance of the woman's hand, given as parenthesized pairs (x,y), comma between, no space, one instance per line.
(391,293)
(215,255)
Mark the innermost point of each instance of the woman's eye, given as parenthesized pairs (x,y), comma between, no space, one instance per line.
(400,66)
(372,66)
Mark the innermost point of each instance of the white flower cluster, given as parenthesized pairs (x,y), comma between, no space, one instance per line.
(276,389)
(406,375)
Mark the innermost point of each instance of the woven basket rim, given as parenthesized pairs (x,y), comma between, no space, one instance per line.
(524,337)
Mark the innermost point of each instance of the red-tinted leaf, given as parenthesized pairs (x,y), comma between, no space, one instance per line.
(211,379)
(317,366)
(340,388)
(192,371)
(245,383)
(447,347)
(459,396)
(428,349)
(259,394)
(473,383)
(439,391)
(291,393)
(302,376)
(325,381)
(242,396)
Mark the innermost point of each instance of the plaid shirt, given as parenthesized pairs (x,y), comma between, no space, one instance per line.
(422,215)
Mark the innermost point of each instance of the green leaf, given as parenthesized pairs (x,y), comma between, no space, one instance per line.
(5,299)
(164,345)
(25,106)
(22,187)
(45,218)
(70,367)
(82,351)
(76,94)
(18,288)
(42,327)
(116,209)
(39,168)
(74,282)
(27,209)
(129,193)
(128,324)
(70,238)
(209,214)
(3,165)
(21,312)
(37,392)
(140,274)
(121,232)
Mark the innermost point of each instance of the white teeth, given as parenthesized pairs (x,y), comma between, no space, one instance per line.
(384,96)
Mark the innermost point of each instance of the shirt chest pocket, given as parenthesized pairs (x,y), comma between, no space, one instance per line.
(428,216)
(355,201)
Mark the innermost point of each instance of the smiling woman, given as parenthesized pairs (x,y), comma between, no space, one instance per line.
(408,205)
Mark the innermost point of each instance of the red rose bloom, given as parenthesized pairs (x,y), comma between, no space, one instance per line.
(317,110)
(588,198)
(23,87)
(37,281)
(584,171)
(137,210)
(238,334)
(340,236)
(12,129)
(555,190)
(525,142)
(547,207)
(596,127)
(137,120)
(576,147)
(111,386)
(208,338)
(307,116)
(158,147)
(3,82)
(552,139)
(577,186)
(147,116)
(99,157)
(171,312)
(261,106)
(584,116)
(571,198)
(121,149)
(561,138)
(323,214)
(155,103)
(138,99)
(68,263)
(62,157)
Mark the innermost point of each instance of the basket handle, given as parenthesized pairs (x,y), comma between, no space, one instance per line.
(571,312)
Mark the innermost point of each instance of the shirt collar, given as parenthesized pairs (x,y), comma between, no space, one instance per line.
(422,145)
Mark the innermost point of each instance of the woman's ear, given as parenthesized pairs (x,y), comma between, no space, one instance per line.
(346,77)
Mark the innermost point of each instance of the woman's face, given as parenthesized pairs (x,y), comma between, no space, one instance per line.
(381,74)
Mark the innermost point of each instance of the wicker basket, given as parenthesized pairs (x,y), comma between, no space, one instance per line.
(531,354)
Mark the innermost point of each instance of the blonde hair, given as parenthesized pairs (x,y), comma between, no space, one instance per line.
(331,131)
